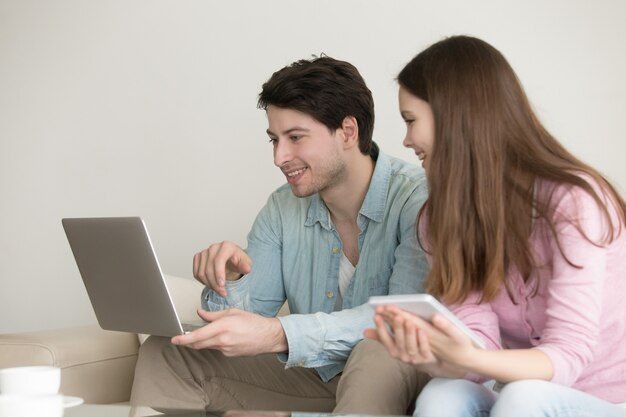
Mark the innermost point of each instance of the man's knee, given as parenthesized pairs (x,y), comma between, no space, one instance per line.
(375,383)
(154,344)
(372,357)
(152,350)
(370,353)
(366,348)
(163,376)
(155,352)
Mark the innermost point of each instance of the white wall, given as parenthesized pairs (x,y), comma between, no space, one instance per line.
(148,108)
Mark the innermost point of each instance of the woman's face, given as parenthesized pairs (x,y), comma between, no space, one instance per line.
(420,125)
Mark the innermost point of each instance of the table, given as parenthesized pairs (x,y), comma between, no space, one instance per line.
(113,410)
(110,410)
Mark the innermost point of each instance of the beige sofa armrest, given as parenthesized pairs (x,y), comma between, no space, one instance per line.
(96,365)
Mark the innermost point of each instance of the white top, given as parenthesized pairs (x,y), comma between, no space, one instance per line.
(346,272)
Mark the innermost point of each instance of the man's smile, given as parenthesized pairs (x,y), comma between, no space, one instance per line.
(294,175)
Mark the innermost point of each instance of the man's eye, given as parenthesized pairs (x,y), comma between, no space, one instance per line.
(273,141)
(295,138)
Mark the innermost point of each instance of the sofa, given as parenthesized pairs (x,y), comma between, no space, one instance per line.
(96,365)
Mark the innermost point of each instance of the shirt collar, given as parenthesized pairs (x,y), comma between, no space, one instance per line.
(373,205)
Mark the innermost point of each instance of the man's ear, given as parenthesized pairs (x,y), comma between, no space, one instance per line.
(350,128)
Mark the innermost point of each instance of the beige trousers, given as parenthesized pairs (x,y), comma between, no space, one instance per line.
(173,377)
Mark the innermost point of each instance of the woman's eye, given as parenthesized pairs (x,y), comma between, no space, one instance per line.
(273,141)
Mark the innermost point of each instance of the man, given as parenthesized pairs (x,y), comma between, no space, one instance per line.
(341,230)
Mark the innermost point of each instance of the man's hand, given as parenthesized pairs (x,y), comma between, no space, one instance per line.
(236,333)
(220,262)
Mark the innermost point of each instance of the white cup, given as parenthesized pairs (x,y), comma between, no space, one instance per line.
(30,380)
(14,405)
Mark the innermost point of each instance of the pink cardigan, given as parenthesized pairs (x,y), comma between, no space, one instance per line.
(578,316)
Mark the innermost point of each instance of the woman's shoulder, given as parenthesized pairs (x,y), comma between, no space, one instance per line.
(561,193)
(585,203)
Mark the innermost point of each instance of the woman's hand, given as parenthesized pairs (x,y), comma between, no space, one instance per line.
(449,343)
(442,350)
(437,348)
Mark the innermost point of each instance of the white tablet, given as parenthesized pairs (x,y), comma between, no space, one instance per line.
(425,306)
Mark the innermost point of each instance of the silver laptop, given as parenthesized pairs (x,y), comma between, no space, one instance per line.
(122,276)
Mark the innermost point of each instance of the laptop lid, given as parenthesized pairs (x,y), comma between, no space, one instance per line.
(122,275)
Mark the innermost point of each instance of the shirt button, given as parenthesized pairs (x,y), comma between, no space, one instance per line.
(335,250)
(330,294)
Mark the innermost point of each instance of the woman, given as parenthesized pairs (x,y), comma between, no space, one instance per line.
(527,247)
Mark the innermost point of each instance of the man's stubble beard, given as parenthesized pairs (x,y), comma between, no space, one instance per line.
(332,174)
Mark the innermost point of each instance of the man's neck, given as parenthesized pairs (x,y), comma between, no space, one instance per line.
(344,200)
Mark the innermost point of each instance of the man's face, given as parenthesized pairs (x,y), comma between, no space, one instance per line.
(307,153)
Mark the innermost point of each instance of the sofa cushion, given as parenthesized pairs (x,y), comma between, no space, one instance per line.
(96,365)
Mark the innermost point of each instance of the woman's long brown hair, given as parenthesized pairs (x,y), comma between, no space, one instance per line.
(488,151)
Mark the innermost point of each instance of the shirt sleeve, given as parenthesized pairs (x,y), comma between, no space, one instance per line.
(576,286)
(411,266)
(261,291)
(482,320)
(321,339)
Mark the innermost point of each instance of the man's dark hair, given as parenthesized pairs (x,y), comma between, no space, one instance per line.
(326,89)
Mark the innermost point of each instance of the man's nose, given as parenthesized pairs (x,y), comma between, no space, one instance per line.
(282,152)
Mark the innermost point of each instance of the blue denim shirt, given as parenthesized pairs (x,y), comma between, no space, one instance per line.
(296,251)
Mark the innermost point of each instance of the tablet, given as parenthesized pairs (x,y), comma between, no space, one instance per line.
(425,306)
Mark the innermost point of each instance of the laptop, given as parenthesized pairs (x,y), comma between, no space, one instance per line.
(122,276)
